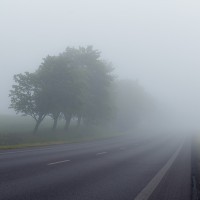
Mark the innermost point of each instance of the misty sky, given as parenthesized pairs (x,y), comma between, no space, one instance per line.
(156,42)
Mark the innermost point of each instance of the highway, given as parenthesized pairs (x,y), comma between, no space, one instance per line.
(120,168)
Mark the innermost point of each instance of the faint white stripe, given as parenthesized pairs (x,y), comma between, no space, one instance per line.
(101,153)
(62,161)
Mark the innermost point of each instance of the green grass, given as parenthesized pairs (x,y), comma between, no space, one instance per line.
(16,132)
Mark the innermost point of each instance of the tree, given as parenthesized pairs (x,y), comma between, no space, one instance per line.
(53,82)
(28,98)
(98,105)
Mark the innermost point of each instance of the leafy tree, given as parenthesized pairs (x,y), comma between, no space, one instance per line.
(28,98)
(98,105)
(51,82)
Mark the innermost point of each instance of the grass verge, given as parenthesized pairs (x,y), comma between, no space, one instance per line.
(45,138)
(15,132)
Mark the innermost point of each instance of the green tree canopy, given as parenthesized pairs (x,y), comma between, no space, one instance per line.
(28,97)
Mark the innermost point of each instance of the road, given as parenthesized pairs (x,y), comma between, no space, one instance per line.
(121,168)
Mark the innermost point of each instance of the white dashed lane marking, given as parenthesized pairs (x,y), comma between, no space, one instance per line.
(101,153)
(58,162)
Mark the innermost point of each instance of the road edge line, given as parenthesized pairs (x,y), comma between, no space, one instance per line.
(151,186)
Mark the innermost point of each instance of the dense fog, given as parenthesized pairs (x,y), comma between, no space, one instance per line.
(154,43)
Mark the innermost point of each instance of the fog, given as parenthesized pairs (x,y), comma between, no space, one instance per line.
(155,42)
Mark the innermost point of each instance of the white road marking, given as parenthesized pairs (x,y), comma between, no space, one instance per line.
(101,153)
(62,161)
(151,186)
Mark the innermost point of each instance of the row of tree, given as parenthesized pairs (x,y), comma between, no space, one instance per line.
(74,84)
(77,84)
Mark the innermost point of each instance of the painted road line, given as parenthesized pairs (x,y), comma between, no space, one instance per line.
(151,186)
(58,162)
(101,153)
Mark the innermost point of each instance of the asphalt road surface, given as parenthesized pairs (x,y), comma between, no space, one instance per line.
(121,168)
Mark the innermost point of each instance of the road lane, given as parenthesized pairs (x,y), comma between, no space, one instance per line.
(120,173)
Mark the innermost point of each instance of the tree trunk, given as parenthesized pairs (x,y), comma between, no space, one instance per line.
(79,121)
(55,121)
(38,122)
(68,118)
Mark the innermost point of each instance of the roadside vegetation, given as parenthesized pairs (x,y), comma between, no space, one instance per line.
(19,134)
(73,96)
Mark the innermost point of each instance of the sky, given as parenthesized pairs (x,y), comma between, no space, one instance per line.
(156,42)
